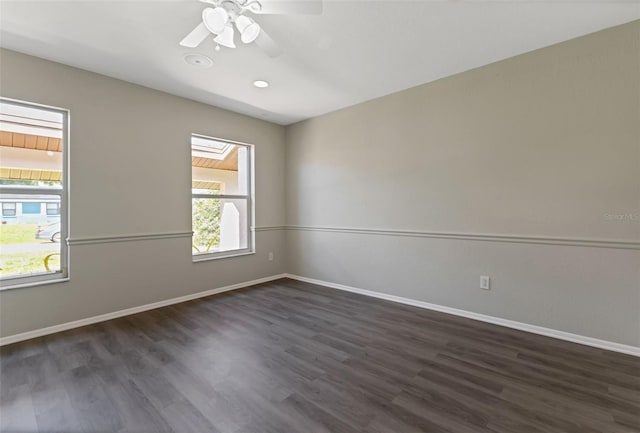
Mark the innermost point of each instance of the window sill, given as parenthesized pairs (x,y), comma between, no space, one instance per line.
(43,282)
(217,256)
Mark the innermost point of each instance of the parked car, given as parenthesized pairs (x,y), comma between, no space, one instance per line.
(49,231)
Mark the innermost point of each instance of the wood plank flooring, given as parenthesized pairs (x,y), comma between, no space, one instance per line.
(293,357)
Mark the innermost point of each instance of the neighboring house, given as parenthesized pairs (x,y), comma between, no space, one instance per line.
(18,209)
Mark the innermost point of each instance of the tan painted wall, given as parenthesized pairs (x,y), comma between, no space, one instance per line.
(546,144)
(130,151)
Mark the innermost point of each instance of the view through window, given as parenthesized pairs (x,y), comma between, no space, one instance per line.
(221,197)
(32,193)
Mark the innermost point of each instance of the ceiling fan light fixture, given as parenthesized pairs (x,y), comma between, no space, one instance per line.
(215,19)
(226,37)
(248,28)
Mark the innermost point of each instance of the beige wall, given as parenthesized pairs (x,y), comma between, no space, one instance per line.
(542,145)
(130,151)
(546,144)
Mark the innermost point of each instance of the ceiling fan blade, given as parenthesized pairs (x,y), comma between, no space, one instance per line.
(196,36)
(267,44)
(286,7)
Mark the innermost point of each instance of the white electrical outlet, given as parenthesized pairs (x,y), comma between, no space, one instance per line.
(270,256)
(485,282)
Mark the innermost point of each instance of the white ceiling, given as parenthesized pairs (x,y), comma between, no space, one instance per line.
(354,51)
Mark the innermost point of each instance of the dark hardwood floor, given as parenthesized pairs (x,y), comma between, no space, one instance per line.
(298,358)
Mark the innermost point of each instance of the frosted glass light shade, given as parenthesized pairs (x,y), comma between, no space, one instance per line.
(249,29)
(215,20)
(226,37)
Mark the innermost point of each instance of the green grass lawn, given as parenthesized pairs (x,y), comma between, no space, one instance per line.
(26,263)
(17,233)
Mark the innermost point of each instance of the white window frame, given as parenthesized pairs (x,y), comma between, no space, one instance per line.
(13,282)
(249,197)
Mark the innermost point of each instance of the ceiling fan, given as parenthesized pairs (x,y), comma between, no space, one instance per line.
(219,19)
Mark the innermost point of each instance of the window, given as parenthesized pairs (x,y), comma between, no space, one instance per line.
(33,192)
(30,208)
(221,203)
(8,209)
(53,209)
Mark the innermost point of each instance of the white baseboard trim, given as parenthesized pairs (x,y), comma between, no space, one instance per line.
(128,311)
(561,335)
(534,329)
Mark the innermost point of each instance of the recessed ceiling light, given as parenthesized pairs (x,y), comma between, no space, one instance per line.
(198,60)
(261,84)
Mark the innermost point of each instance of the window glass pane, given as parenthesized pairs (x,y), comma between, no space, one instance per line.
(53,208)
(30,241)
(219,225)
(8,209)
(219,167)
(30,146)
(31,190)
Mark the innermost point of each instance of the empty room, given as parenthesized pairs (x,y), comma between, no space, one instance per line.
(320,216)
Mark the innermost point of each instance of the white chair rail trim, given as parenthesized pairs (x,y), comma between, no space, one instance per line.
(127,238)
(523,239)
(146,236)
